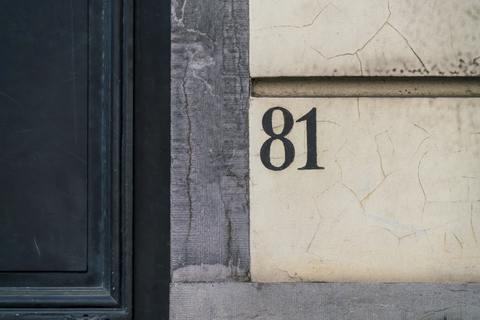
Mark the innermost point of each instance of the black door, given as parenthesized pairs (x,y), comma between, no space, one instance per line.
(84,159)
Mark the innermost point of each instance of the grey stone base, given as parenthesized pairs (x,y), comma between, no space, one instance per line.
(324,301)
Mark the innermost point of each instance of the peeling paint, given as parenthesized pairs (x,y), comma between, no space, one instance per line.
(397,198)
(363,38)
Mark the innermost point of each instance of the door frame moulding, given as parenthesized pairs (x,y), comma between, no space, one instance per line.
(110,177)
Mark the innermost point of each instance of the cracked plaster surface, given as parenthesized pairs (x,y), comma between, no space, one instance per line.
(398,200)
(364,37)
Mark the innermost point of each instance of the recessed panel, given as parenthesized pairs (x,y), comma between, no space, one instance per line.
(43,135)
(365,189)
(364,38)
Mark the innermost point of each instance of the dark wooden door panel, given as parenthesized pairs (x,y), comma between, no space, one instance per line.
(66,69)
(43,135)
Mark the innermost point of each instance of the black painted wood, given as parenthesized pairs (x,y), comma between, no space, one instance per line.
(152,160)
(104,287)
(43,135)
(210,90)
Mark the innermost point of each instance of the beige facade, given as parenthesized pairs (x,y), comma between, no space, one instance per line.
(394,195)
(364,37)
(398,199)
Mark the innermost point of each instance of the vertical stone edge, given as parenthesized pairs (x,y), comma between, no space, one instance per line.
(209,141)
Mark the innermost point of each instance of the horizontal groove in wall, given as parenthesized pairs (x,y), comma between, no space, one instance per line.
(366,87)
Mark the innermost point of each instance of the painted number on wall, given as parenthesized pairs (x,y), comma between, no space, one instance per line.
(311,121)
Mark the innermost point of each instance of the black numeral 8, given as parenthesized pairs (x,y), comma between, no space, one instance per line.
(287,144)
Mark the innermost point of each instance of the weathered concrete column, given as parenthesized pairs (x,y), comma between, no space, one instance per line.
(320,150)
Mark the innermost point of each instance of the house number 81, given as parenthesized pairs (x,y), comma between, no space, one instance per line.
(310,118)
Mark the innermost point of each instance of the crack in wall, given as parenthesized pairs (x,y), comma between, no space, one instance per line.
(358,110)
(416,125)
(201,59)
(421,143)
(288,274)
(378,151)
(451,36)
(319,222)
(298,27)
(327,121)
(424,130)
(471,223)
(408,43)
(445,242)
(461,243)
(228,217)
(314,236)
(340,167)
(190,70)
(360,61)
(359,202)
(420,181)
(304,45)
(229,234)
(450,201)
(361,48)
(375,189)
(327,189)
(189,168)
(398,238)
(387,22)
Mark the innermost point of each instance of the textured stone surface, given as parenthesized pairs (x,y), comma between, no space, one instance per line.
(398,199)
(324,301)
(364,37)
(209,139)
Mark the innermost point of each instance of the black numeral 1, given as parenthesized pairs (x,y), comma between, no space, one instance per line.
(311,119)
